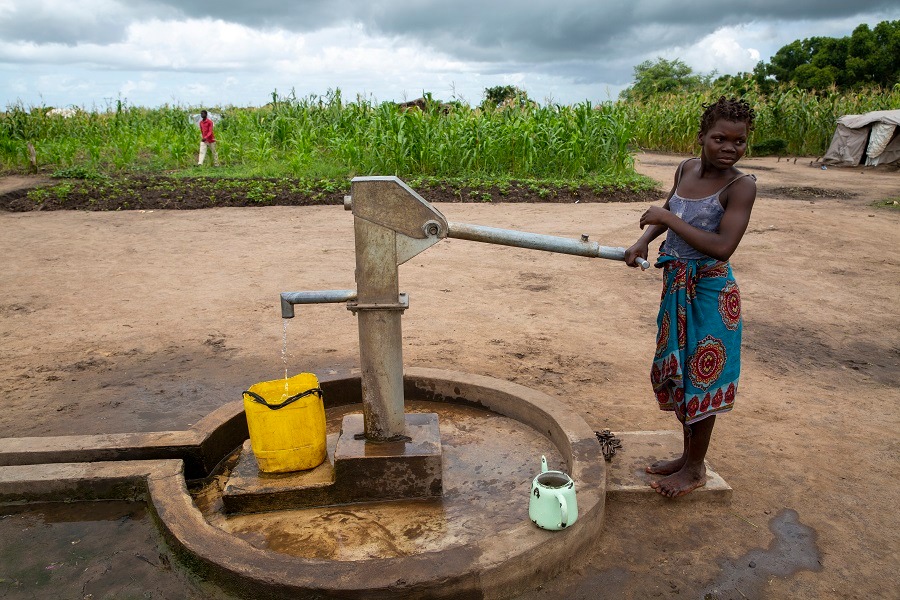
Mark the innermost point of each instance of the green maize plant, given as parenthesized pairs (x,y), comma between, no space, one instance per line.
(319,135)
(325,136)
(805,120)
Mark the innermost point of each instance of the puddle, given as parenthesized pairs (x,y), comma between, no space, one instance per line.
(89,551)
(793,549)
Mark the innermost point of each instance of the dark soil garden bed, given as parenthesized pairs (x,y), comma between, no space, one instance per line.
(146,192)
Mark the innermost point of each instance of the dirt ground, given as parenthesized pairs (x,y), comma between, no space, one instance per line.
(148,320)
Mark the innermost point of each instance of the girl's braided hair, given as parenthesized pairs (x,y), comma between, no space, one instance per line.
(730,109)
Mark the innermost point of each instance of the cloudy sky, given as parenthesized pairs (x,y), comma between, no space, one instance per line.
(192,53)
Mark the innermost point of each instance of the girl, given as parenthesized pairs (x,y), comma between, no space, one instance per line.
(697,362)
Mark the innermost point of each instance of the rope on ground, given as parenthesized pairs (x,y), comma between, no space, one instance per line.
(608,443)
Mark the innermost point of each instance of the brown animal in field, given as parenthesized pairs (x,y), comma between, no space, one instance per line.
(32,156)
(422,104)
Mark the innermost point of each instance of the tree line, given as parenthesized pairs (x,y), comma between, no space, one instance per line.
(868,57)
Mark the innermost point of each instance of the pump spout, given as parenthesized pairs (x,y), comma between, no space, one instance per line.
(289,299)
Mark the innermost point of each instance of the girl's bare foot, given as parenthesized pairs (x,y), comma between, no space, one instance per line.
(666,467)
(680,483)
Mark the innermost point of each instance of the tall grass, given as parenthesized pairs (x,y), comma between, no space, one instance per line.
(805,120)
(328,137)
(117,139)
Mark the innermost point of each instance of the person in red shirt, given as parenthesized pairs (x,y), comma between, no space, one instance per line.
(207,139)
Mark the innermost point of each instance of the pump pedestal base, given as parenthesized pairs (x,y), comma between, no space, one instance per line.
(356,470)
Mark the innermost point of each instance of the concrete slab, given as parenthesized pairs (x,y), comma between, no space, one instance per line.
(250,490)
(627,481)
(354,471)
(201,447)
(482,498)
(69,482)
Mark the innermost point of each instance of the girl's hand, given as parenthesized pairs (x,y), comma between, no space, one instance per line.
(638,250)
(655,215)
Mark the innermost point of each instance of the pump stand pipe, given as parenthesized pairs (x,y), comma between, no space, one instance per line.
(537,241)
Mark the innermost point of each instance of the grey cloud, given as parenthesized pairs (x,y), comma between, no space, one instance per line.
(26,25)
(301,16)
(520,31)
(546,34)
(588,44)
(529,31)
(35,23)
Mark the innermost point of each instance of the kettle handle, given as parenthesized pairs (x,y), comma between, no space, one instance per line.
(563,511)
(543,464)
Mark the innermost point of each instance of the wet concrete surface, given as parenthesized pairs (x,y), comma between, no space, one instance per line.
(488,464)
(90,551)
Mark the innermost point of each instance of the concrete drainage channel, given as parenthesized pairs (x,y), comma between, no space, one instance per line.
(506,556)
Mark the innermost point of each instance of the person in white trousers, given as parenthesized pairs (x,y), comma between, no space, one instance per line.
(207,139)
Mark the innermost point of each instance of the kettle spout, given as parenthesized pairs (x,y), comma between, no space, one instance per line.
(543,464)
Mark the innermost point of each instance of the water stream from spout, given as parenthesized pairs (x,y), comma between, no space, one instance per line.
(284,355)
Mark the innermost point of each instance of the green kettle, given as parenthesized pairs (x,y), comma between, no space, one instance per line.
(552,505)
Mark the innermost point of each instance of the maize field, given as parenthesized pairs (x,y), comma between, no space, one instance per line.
(329,138)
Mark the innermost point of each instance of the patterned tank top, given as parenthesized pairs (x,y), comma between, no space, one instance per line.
(702,213)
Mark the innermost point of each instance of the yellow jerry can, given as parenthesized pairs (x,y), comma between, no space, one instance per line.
(286,419)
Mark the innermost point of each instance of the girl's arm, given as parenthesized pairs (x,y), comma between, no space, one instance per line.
(641,248)
(721,245)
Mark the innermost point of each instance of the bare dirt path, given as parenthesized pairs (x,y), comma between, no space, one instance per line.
(14,183)
(148,320)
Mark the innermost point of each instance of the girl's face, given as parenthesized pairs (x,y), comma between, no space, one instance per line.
(724,143)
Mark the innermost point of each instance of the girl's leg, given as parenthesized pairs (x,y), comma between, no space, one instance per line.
(692,473)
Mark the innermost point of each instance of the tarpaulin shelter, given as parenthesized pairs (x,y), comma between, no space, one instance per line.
(870,139)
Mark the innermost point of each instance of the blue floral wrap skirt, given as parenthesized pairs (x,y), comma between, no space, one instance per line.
(698,345)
